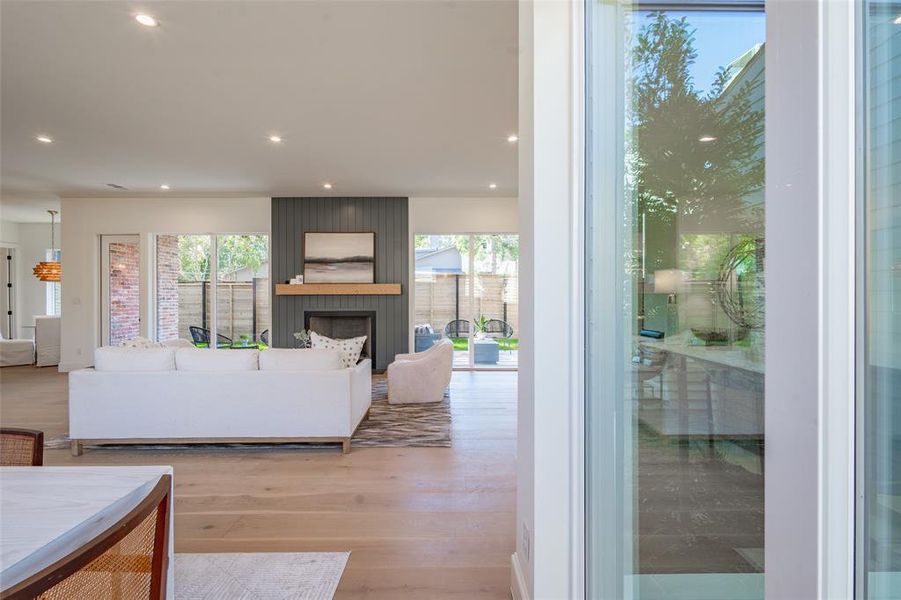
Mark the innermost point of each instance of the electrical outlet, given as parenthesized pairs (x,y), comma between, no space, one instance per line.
(526,542)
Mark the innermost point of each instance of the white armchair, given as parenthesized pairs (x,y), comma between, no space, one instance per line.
(421,377)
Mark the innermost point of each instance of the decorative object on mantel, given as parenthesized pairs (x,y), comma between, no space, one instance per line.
(296,280)
(302,339)
(338,289)
(49,270)
(339,257)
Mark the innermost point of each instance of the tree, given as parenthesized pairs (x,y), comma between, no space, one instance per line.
(674,164)
(235,252)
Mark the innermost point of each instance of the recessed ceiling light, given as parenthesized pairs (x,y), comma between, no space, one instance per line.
(327,186)
(146,20)
(706,138)
(164,187)
(898,20)
(492,186)
(44,139)
(275,139)
(512,138)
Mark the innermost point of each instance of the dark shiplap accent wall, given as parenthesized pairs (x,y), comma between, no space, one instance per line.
(389,219)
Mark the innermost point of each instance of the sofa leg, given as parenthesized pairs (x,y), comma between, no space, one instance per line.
(75,447)
(366,416)
(345,446)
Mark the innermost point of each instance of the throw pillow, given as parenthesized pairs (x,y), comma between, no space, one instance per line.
(349,349)
(140,342)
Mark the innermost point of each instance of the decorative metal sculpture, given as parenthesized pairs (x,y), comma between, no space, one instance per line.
(741,286)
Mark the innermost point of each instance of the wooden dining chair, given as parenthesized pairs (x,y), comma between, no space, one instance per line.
(21,447)
(128,561)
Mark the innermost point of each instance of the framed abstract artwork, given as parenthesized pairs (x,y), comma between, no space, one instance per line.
(339,257)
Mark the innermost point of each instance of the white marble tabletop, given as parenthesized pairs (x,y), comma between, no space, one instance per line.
(47,512)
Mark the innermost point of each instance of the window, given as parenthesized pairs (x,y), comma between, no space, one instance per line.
(213,287)
(674,302)
(52,290)
(467,290)
(879,447)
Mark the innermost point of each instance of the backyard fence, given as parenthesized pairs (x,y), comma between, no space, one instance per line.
(444,297)
(243,307)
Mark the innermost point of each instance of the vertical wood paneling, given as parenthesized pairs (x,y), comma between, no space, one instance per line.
(388,218)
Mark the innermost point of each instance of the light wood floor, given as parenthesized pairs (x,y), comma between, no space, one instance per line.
(419,522)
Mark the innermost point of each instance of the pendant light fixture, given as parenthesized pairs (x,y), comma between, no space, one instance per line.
(48,270)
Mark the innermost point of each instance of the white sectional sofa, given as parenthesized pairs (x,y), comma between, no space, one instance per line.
(189,395)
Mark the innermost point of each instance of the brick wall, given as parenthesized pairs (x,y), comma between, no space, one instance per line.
(167,269)
(124,292)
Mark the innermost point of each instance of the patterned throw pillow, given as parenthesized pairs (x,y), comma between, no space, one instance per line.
(349,349)
(140,342)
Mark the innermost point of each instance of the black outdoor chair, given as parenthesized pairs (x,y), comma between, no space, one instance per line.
(202,336)
(264,337)
(495,328)
(459,328)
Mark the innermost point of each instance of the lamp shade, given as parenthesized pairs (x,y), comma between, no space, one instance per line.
(669,281)
(47,270)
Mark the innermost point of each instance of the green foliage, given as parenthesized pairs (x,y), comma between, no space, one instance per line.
(235,252)
(672,170)
(489,249)
(480,323)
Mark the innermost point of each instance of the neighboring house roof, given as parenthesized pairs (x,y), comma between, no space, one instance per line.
(739,68)
(439,260)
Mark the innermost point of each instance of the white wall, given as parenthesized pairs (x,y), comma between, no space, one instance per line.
(86,219)
(548,530)
(30,242)
(446,216)
(451,216)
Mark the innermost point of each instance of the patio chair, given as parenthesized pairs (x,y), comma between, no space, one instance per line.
(264,337)
(202,336)
(495,328)
(459,328)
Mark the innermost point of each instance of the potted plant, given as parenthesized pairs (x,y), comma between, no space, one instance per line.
(481,324)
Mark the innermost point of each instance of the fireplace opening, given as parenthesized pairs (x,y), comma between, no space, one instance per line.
(341,325)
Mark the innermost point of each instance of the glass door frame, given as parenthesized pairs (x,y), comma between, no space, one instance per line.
(810,356)
(470,366)
(214,275)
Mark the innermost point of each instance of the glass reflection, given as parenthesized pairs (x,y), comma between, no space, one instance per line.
(693,325)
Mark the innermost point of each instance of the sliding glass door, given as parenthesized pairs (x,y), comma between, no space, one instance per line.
(879,444)
(675,301)
(466,289)
(213,289)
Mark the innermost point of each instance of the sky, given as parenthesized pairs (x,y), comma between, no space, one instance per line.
(720,38)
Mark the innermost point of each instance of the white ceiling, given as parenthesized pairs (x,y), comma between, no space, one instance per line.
(378,97)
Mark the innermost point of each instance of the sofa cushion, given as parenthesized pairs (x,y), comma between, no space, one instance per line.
(350,349)
(205,359)
(110,358)
(309,359)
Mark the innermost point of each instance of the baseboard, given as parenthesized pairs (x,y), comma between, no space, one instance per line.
(518,588)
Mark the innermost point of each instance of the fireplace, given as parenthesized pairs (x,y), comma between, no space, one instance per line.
(344,324)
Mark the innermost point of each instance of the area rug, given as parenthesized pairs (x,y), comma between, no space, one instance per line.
(259,575)
(388,426)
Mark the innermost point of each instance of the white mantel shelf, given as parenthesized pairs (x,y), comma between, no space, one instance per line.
(338,289)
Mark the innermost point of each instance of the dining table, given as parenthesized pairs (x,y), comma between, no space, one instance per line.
(46,513)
